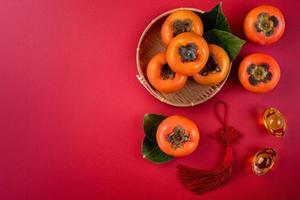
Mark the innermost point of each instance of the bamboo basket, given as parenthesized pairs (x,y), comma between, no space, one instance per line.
(150,44)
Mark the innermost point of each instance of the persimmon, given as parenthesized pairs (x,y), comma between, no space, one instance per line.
(259,72)
(187,53)
(179,22)
(264,24)
(216,68)
(162,77)
(177,136)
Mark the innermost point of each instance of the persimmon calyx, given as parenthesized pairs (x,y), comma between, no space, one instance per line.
(181,26)
(210,67)
(167,73)
(259,73)
(266,24)
(188,53)
(178,137)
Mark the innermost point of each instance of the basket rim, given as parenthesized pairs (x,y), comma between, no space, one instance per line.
(143,79)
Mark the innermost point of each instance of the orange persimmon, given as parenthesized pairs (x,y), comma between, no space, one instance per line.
(187,53)
(162,77)
(177,136)
(264,24)
(259,72)
(179,22)
(216,68)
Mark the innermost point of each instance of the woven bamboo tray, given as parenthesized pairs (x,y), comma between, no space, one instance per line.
(150,44)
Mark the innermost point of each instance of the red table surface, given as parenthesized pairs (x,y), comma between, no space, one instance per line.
(71,108)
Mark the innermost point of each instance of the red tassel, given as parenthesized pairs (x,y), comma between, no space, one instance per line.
(201,181)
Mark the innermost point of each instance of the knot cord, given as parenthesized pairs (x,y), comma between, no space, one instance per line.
(222,120)
(227,135)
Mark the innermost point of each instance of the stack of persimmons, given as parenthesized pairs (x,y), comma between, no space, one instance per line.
(187,54)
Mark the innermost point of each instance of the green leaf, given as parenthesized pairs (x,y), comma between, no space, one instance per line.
(215,19)
(152,152)
(151,122)
(231,43)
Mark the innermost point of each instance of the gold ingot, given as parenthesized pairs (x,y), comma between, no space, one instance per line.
(274,122)
(263,161)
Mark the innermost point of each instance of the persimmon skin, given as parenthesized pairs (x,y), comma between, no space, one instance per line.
(223,61)
(167,27)
(174,59)
(258,58)
(154,76)
(259,37)
(167,126)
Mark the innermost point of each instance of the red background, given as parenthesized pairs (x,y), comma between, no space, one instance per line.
(71,108)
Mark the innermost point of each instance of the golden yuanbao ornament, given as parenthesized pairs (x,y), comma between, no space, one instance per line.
(263,161)
(274,122)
